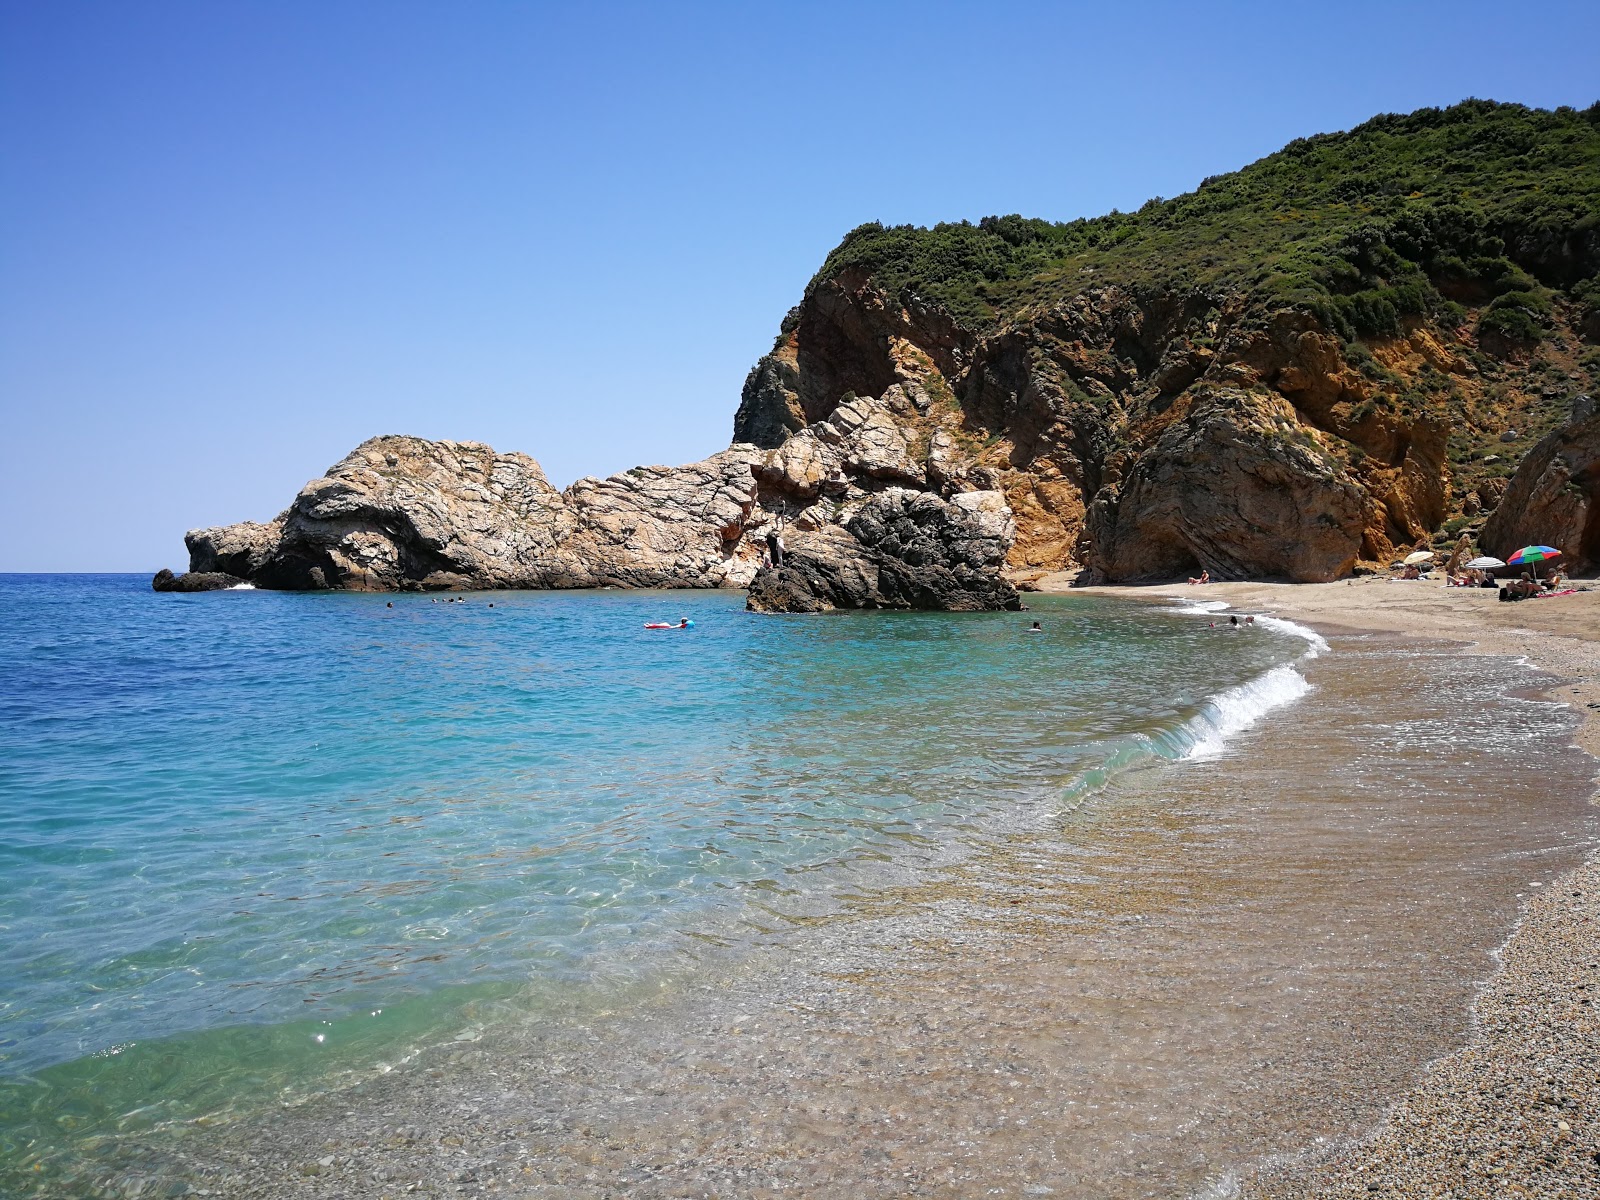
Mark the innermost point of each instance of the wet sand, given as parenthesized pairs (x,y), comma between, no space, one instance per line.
(1208,967)
(1516,1110)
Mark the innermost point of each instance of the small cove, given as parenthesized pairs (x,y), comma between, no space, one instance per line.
(1143,988)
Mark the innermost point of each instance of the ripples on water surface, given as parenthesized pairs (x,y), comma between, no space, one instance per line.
(252,840)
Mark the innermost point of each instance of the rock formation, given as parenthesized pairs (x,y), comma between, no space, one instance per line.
(403,513)
(901,549)
(1552,498)
(1298,369)
(194,581)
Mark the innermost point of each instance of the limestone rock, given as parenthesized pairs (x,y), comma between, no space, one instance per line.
(662,527)
(407,513)
(404,513)
(239,549)
(804,467)
(870,440)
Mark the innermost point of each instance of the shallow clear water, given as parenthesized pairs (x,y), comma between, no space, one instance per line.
(252,842)
(1200,968)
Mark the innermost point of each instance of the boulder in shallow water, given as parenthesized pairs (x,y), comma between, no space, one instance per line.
(902,549)
(193,581)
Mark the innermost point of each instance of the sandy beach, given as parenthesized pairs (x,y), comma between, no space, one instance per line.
(1514,1112)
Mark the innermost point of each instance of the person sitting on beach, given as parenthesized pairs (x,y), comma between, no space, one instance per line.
(1522,588)
(1411,573)
(1205,577)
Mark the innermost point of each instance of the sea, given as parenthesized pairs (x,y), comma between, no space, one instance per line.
(1112,908)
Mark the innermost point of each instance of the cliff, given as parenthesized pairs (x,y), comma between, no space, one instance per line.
(1554,497)
(1330,357)
(1333,356)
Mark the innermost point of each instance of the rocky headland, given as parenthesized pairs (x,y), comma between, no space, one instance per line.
(1365,344)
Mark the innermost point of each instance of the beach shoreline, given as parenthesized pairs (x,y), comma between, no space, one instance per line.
(1223,943)
(1513,1111)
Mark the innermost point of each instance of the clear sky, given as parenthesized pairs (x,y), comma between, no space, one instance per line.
(237,238)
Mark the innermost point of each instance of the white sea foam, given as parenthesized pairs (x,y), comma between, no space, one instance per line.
(1316,644)
(1235,710)
(242,587)
(1224,715)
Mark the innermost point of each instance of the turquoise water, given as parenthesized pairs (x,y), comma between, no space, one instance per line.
(253,843)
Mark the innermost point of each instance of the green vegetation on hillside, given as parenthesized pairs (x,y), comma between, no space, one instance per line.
(1479,203)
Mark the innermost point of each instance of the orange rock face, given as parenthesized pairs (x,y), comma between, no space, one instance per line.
(1148,437)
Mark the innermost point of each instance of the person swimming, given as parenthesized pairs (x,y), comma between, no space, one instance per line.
(1034,629)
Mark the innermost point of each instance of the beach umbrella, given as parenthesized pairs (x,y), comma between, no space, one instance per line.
(1532,556)
(1421,556)
(1484,562)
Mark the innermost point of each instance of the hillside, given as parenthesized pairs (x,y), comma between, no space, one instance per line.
(1407,308)
(1410,215)
(1301,369)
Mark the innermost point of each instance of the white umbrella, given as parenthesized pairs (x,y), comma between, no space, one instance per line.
(1421,556)
(1485,562)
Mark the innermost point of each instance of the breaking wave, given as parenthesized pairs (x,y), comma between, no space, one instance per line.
(1220,718)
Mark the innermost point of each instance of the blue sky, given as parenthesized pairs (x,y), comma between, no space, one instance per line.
(237,238)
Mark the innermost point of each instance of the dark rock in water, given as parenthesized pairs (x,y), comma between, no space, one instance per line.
(828,569)
(901,549)
(193,581)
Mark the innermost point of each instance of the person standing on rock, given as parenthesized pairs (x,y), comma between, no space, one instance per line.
(775,547)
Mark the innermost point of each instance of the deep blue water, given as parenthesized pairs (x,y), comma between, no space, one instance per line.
(250,840)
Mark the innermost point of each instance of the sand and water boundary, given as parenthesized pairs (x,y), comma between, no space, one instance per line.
(885,1072)
(1516,1111)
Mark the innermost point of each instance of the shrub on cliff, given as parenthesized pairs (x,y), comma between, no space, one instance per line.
(1519,315)
(1405,214)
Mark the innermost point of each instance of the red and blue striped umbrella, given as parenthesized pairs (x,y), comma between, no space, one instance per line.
(1532,554)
